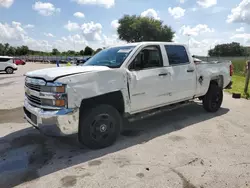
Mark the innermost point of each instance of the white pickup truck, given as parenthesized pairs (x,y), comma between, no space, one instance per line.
(118,83)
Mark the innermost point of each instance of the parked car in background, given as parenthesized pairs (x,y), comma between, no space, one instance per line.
(19,62)
(7,64)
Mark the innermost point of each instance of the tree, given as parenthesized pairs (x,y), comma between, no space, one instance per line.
(11,51)
(230,49)
(98,50)
(55,52)
(1,49)
(88,51)
(82,53)
(6,48)
(24,50)
(136,29)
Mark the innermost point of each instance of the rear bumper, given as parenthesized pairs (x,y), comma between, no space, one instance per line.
(52,123)
(229,86)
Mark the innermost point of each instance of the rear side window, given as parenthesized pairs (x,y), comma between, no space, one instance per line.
(177,54)
(4,59)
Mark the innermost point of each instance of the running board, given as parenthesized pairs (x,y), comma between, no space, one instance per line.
(149,113)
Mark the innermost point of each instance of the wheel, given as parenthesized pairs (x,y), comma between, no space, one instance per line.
(9,70)
(213,99)
(99,127)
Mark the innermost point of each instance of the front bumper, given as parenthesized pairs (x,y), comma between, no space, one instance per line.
(53,123)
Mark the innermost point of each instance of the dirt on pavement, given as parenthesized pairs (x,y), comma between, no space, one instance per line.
(185,148)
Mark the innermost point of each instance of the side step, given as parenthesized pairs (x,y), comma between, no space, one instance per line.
(149,113)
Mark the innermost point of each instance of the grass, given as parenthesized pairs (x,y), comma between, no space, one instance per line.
(239,85)
(239,67)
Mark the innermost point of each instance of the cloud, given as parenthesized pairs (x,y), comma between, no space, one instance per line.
(72,42)
(201,47)
(49,35)
(243,36)
(29,26)
(79,15)
(176,12)
(241,29)
(6,3)
(113,40)
(182,1)
(11,32)
(39,45)
(241,13)
(198,29)
(150,13)
(45,9)
(115,24)
(72,26)
(105,3)
(206,3)
(176,38)
(92,31)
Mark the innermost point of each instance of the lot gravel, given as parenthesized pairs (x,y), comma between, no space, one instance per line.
(185,148)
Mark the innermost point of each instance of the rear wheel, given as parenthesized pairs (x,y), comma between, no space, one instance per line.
(99,127)
(213,99)
(9,70)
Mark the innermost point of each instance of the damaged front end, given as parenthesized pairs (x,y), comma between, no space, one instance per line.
(46,107)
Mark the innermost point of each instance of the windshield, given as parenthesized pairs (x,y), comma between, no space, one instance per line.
(111,57)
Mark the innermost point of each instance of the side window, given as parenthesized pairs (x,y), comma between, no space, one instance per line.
(177,55)
(4,59)
(149,57)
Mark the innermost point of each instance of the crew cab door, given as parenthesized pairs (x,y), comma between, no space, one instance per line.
(183,73)
(148,79)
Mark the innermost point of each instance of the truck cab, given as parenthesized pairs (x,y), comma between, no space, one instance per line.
(120,82)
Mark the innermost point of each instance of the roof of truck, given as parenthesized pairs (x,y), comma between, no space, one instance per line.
(148,42)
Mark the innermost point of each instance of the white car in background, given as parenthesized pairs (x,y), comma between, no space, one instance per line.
(7,64)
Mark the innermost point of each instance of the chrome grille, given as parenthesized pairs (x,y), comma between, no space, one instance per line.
(33,87)
(34,99)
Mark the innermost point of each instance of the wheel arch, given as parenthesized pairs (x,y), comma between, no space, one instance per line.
(114,99)
(217,80)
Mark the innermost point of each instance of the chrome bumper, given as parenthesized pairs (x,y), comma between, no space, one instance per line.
(53,123)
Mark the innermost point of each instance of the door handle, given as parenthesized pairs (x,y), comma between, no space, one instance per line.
(190,70)
(163,74)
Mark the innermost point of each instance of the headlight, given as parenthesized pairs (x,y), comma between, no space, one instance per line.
(58,89)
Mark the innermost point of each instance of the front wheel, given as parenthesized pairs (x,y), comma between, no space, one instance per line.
(99,127)
(9,70)
(213,99)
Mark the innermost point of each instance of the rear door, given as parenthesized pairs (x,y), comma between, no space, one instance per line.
(183,73)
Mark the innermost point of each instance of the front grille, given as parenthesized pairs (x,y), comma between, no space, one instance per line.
(33,87)
(34,99)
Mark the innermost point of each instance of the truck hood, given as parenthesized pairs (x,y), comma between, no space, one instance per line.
(51,74)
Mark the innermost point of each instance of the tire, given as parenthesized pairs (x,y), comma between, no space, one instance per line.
(99,127)
(213,99)
(9,70)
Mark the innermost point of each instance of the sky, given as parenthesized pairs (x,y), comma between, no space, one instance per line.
(74,24)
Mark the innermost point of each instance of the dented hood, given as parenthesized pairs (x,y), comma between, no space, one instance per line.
(51,74)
